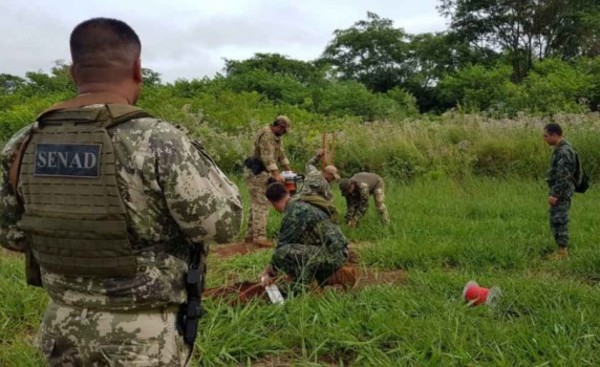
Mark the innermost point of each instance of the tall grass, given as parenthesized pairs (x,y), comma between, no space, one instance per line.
(444,232)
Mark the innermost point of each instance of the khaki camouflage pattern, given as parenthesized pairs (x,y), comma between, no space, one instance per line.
(357,202)
(259,205)
(72,337)
(268,147)
(561,184)
(310,245)
(170,189)
(11,237)
(314,182)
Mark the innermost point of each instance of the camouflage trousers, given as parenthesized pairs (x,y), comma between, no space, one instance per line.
(559,221)
(304,263)
(379,196)
(259,205)
(70,337)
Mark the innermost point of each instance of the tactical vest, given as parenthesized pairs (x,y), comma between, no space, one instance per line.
(74,215)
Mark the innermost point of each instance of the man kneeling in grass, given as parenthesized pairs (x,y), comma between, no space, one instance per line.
(310,244)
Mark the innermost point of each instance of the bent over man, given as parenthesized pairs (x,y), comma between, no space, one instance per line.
(561,185)
(310,244)
(317,182)
(267,152)
(115,206)
(357,190)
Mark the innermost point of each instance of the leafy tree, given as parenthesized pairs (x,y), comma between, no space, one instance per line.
(275,64)
(11,83)
(371,52)
(527,29)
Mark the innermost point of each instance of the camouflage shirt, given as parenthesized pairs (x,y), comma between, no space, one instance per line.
(357,202)
(169,187)
(314,182)
(268,147)
(307,224)
(561,174)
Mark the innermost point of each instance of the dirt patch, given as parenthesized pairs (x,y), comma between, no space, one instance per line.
(234,249)
(238,293)
(246,291)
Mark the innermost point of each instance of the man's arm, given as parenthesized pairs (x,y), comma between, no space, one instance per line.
(267,149)
(11,210)
(363,201)
(204,203)
(351,207)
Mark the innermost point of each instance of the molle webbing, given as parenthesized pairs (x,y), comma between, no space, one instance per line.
(74,215)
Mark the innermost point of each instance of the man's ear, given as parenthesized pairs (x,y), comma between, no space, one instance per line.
(137,70)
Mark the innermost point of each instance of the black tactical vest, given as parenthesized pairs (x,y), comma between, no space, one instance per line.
(74,215)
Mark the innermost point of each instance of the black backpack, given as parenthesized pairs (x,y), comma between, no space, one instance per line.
(582,180)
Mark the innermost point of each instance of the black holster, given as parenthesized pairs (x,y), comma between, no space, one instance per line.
(255,165)
(191,311)
(33,273)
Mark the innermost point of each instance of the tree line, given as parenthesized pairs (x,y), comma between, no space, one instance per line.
(498,57)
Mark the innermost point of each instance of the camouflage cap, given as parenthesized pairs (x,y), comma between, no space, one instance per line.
(344,185)
(333,171)
(284,121)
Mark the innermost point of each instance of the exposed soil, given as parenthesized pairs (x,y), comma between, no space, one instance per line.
(234,249)
(244,292)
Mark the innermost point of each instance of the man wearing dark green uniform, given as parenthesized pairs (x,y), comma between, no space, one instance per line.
(310,244)
(561,185)
(357,190)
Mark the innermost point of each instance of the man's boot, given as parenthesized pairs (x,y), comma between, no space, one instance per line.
(346,276)
(248,239)
(560,254)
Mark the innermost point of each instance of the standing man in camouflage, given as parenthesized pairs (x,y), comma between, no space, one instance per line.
(310,244)
(267,152)
(317,182)
(561,185)
(112,203)
(357,190)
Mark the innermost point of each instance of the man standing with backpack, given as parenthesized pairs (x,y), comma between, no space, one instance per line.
(564,177)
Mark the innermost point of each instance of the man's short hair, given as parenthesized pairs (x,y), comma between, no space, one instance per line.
(276,191)
(103,43)
(345,185)
(553,129)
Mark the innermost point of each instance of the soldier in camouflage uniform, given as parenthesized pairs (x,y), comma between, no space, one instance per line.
(356,190)
(111,202)
(561,185)
(267,152)
(317,182)
(310,244)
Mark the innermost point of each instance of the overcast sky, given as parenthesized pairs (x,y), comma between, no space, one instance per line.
(190,38)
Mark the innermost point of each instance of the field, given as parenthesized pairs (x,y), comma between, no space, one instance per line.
(444,232)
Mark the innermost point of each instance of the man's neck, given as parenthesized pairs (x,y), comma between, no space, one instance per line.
(103,88)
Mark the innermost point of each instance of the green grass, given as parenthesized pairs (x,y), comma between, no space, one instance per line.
(444,232)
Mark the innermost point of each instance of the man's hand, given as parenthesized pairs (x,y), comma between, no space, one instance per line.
(552,200)
(266,277)
(276,176)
